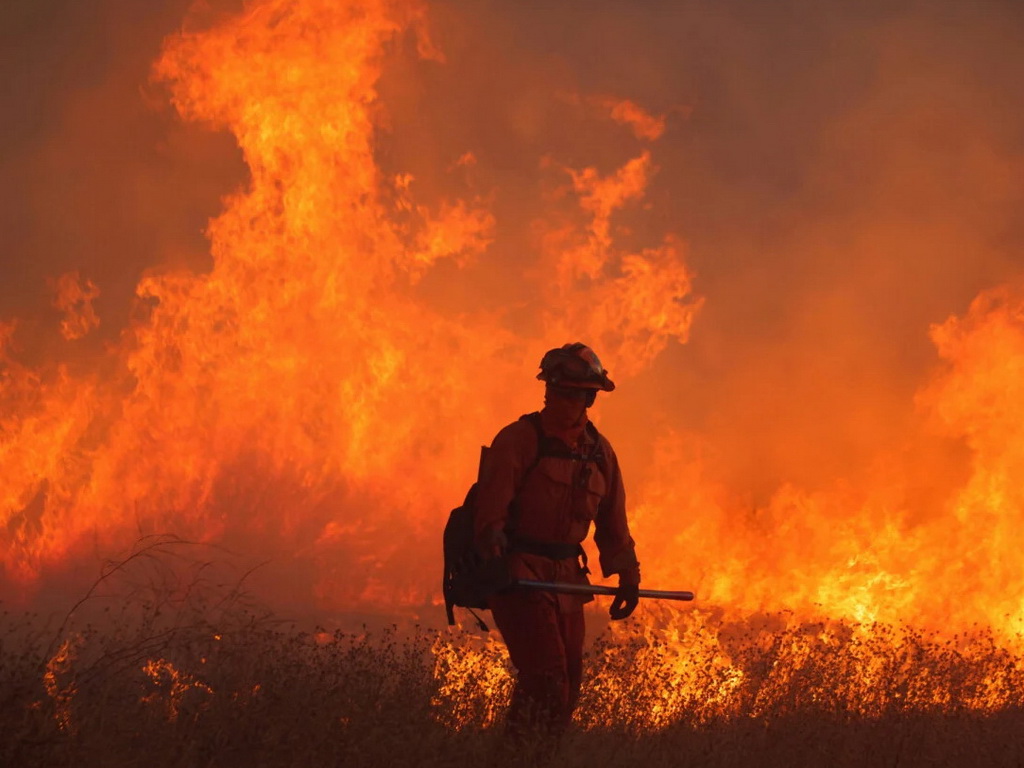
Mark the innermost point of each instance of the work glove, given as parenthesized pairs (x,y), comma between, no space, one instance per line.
(627,596)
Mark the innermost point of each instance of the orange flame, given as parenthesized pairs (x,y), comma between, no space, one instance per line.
(317,396)
(866,553)
(59,668)
(170,685)
(74,297)
(308,394)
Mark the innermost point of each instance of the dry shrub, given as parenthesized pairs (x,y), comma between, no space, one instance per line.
(168,664)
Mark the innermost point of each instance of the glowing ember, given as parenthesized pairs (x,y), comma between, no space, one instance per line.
(59,682)
(170,686)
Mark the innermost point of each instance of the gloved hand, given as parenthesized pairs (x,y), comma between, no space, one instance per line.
(627,596)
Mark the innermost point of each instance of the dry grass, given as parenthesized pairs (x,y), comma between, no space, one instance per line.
(195,677)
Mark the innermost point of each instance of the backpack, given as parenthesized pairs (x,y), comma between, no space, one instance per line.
(470,579)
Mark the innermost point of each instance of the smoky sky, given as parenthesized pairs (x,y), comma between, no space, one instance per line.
(844,174)
(98,176)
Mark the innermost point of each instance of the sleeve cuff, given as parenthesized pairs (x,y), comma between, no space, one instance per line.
(630,576)
(623,562)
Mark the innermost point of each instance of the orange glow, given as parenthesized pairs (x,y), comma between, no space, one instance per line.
(644,125)
(73,297)
(59,682)
(283,392)
(317,400)
(170,686)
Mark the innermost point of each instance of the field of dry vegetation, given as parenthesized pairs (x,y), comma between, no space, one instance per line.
(166,676)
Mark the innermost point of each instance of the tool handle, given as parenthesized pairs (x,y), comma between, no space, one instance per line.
(598,589)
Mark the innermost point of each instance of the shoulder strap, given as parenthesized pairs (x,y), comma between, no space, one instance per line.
(513,508)
(597,452)
(534,421)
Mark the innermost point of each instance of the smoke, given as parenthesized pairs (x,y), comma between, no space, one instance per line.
(838,178)
(844,175)
(98,174)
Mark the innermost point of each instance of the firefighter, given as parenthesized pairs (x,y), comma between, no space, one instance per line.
(536,505)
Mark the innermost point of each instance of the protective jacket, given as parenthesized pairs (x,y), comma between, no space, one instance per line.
(576,482)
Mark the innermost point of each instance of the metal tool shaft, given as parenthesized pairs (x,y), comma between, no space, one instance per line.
(597,589)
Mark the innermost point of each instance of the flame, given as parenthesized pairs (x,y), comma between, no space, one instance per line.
(318,394)
(58,669)
(170,685)
(473,682)
(644,125)
(864,553)
(73,297)
(308,389)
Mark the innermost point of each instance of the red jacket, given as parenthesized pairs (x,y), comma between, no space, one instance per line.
(559,499)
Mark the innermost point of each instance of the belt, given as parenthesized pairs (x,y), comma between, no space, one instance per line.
(556,550)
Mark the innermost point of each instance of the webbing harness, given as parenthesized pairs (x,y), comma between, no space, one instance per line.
(465,574)
(549,446)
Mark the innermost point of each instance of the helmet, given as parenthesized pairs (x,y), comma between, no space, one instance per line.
(574,365)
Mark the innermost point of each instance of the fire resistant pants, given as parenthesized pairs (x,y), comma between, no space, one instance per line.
(546,646)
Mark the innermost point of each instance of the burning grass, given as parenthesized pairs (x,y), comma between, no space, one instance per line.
(192,676)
